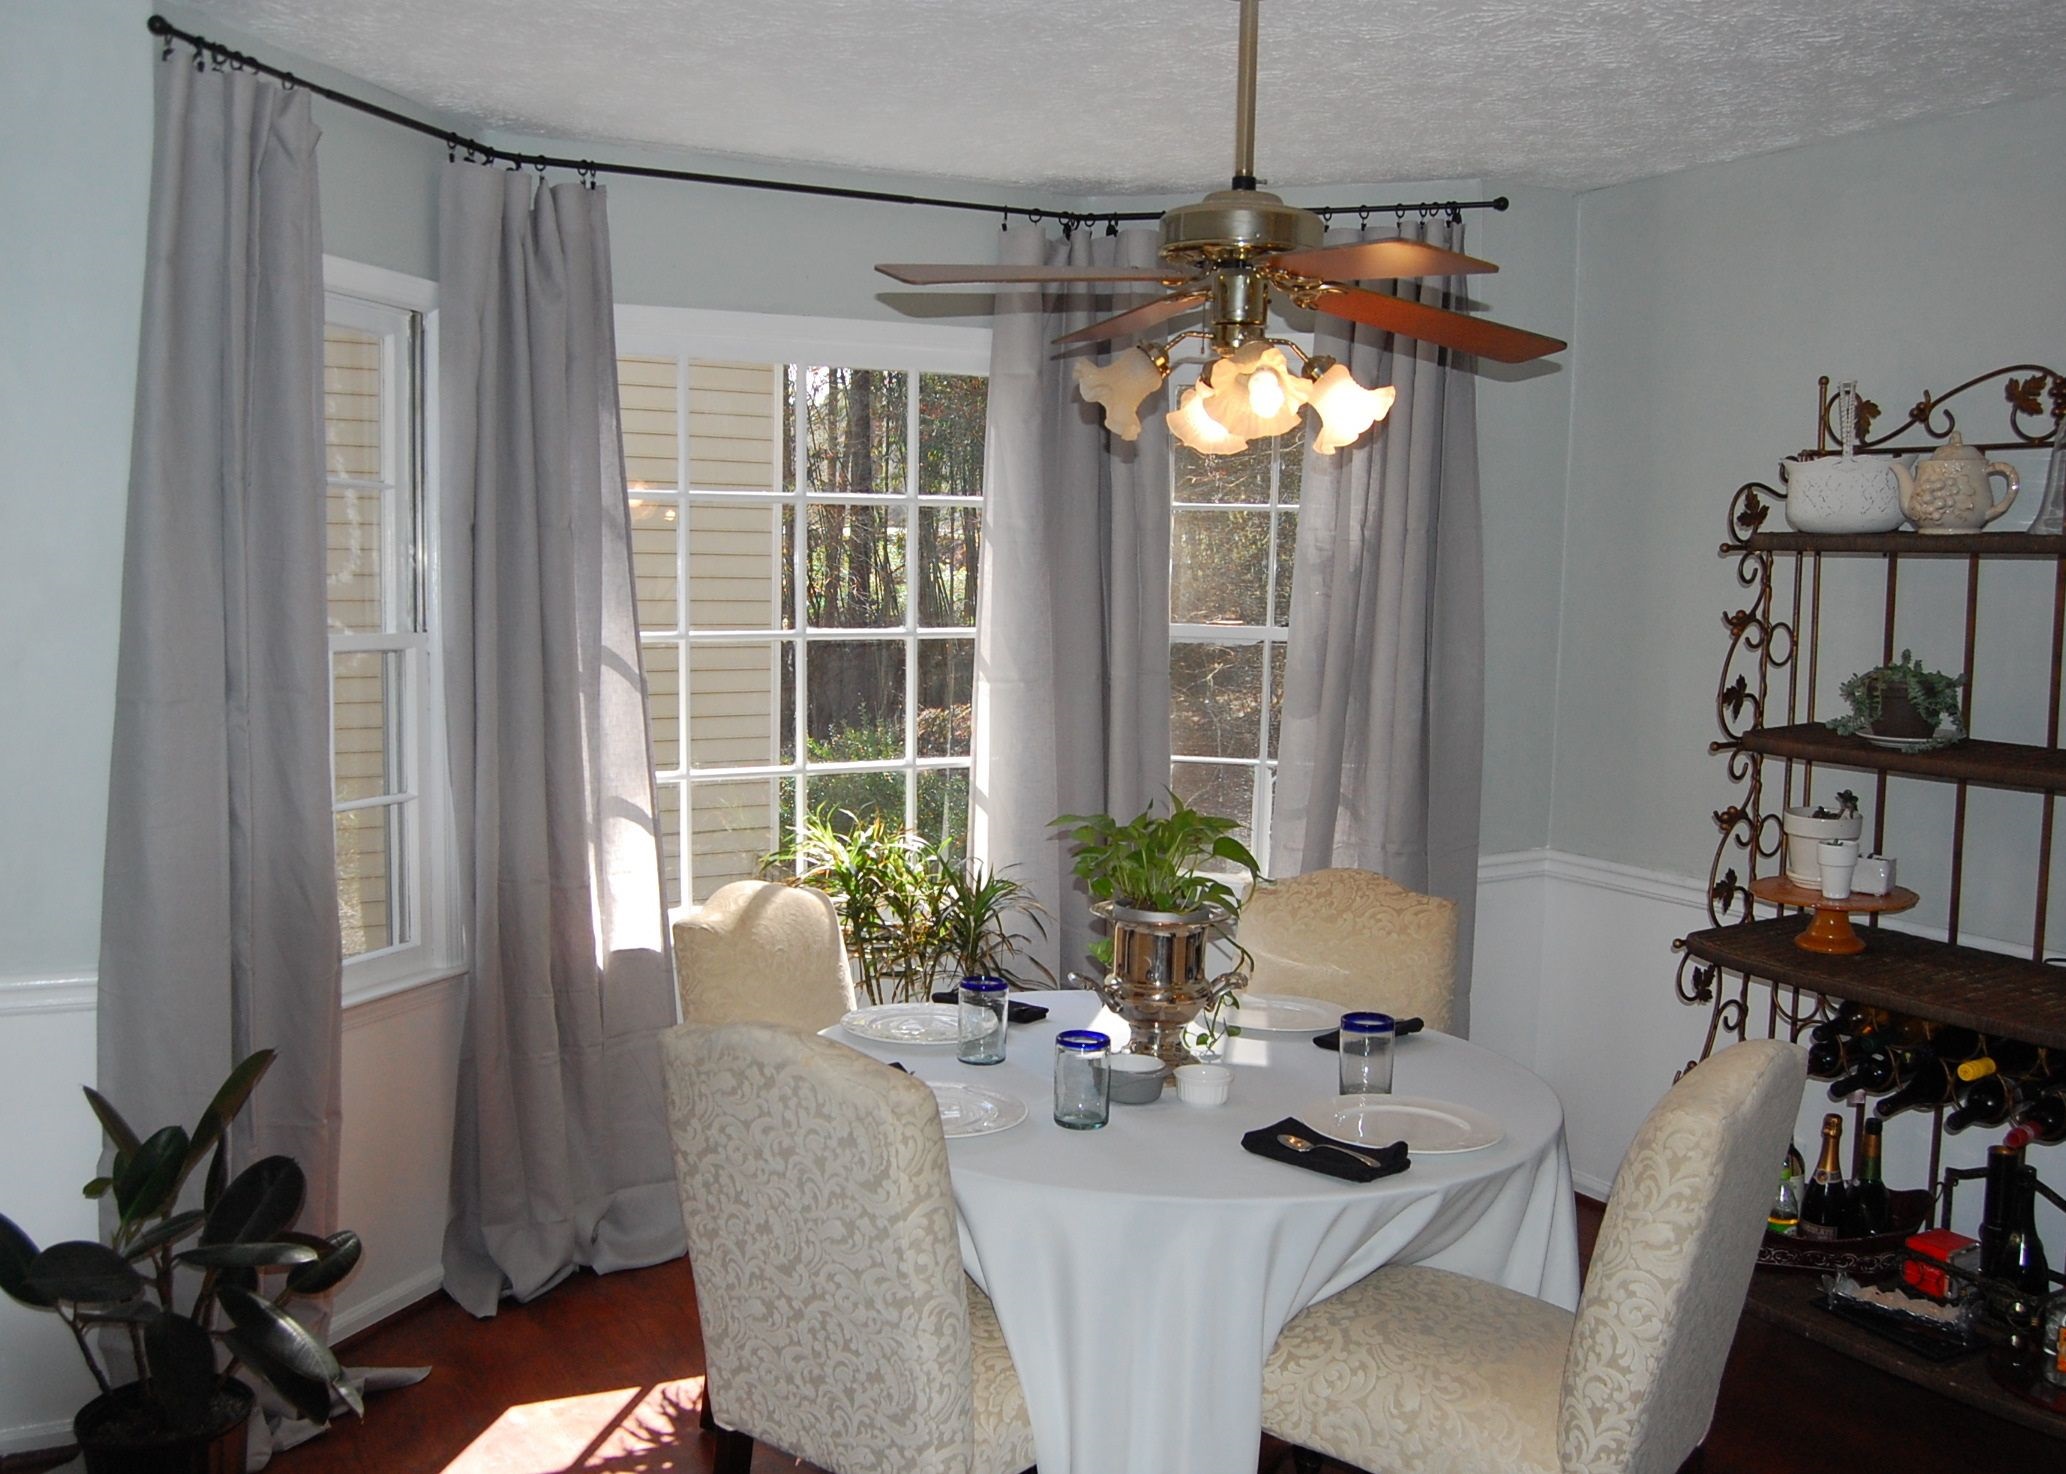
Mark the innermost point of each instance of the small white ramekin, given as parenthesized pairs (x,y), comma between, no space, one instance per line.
(1203,1085)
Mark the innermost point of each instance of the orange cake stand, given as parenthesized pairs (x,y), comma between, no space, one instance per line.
(1830,932)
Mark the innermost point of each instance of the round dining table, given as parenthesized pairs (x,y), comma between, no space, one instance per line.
(1142,1271)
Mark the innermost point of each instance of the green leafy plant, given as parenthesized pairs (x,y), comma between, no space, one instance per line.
(1154,862)
(1933,694)
(1846,806)
(974,916)
(134,1284)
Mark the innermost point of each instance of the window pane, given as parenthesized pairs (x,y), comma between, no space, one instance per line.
(949,539)
(1276,696)
(951,412)
(365,692)
(738,559)
(654,529)
(856,567)
(1224,789)
(733,824)
(661,660)
(1287,549)
(1219,567)
(943,808)
(740,697)
(856,700)
(353,535)
(648,398)
(735,425)
(351,403)
(946,697)
(1215,700)
(369,878)
(854,430)
(669,798)
(1291,461)
(1242,477)
(864,795)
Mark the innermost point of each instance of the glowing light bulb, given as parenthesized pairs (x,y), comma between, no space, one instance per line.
(1191,423)
(1346,409)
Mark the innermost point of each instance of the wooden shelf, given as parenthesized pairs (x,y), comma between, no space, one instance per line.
(1990,764)
(1914,544)
(1988,991)
(1781,1298)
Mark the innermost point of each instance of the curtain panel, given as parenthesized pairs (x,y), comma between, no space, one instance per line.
(561,1156)
(1382,740)
(219,927)
(1072,618)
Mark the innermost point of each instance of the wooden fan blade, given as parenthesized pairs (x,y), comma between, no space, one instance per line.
(1378,260)
(1467,334)
(1145,316)
(940,276)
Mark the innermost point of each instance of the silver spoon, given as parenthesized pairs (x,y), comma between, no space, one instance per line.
(1300,1144)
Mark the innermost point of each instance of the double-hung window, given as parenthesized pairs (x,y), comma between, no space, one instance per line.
(806,510)
(387,786)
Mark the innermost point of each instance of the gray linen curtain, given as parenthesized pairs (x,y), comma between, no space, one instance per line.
(1072,619)
(1383,725)
(561,1157)
(219,929)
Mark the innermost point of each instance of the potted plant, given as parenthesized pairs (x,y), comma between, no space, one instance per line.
(1809,825)
(1902,703)
(883,880)
(179,1309)
(1147,878)
(974,915)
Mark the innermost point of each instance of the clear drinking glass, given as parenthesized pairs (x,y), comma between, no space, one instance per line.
(983,1006)
(1366,1053)
(1083,1079)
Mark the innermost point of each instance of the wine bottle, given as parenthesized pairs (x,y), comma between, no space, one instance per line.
(1927,1086)
(1998,1205)
(1984,1099)
(1785,1213)
(1842,1024)
(1870,1212)
(2044,1114)
(2005,1057)
(2022,1261)
(1955,1045)
(1874,1072)
(1826,1058)
(1827,1200)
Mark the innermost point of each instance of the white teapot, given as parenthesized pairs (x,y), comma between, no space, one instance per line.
(1948,492)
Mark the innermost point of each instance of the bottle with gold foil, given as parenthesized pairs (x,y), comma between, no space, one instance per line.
(1826,1203)
(1784,1216)
(1870,1211)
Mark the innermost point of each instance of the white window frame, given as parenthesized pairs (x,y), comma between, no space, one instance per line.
(370,296)
(686,334)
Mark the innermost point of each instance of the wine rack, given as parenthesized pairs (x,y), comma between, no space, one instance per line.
(1744,969)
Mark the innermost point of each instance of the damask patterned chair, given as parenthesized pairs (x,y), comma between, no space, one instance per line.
(837,1323)
(767,953)
(1419,1371)
(1355,938)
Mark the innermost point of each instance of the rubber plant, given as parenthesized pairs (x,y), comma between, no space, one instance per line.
(193,1312)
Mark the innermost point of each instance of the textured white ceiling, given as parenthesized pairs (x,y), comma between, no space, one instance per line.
(1092,97)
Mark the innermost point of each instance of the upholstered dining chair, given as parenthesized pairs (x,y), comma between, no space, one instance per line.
(837,1323)
(1355,938)
(763,952)
(1419,1371)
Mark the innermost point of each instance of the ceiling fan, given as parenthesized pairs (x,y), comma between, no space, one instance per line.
(1228,253)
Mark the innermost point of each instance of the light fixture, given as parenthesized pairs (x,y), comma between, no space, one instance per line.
(1244,394)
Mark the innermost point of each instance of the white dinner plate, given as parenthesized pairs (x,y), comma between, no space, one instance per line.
(906,1023)
(1281,1013)
(1428,1127)
(970,1110)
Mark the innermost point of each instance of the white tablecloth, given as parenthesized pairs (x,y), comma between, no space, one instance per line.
(1142,1272)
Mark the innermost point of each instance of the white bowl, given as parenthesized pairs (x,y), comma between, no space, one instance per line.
(1203,1085)
(1831,494)
(1137,1078)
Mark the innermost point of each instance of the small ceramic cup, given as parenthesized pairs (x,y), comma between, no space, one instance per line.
(1203,1085)
(1874,875)
(1136,1079)
(1838,860)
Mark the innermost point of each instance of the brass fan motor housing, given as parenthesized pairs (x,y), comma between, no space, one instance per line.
(1232,226)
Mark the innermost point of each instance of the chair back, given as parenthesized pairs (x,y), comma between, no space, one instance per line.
(821,1231)
(1355,938)
(1673,1262)
(765,953)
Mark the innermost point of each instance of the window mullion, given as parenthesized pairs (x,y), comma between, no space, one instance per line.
(911,595)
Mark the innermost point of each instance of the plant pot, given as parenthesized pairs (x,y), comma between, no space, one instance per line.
(119,1433)
(1897,714)
(1158,982)
(1805,833)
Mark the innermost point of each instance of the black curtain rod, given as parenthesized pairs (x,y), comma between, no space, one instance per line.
(208,52)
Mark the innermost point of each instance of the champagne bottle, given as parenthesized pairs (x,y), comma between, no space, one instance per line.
(1874,1072)
(1985,1099)
(1870,1212)
(1827,1199)
(1927,1086)
(1785,1213)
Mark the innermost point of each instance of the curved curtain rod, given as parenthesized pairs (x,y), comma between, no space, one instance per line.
(208,52)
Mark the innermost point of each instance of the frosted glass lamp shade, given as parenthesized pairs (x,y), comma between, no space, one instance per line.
(1346,409)
(1121,386)
(1193,424)
(1254,393)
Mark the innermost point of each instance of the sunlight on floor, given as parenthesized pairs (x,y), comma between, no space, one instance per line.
(631,1430)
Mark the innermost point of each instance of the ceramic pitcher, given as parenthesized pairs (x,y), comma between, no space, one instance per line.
(1948,492)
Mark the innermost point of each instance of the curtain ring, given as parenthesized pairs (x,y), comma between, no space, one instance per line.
(1112,226)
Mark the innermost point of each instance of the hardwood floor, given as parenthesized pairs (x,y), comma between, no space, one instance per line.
(605,1374)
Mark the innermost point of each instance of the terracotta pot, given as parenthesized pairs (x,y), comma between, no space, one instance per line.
(120,1434)
(1897,714)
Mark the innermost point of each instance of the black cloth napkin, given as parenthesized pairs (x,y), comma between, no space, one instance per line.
(1400,1029)
(1017,1012)
(1263,1142)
